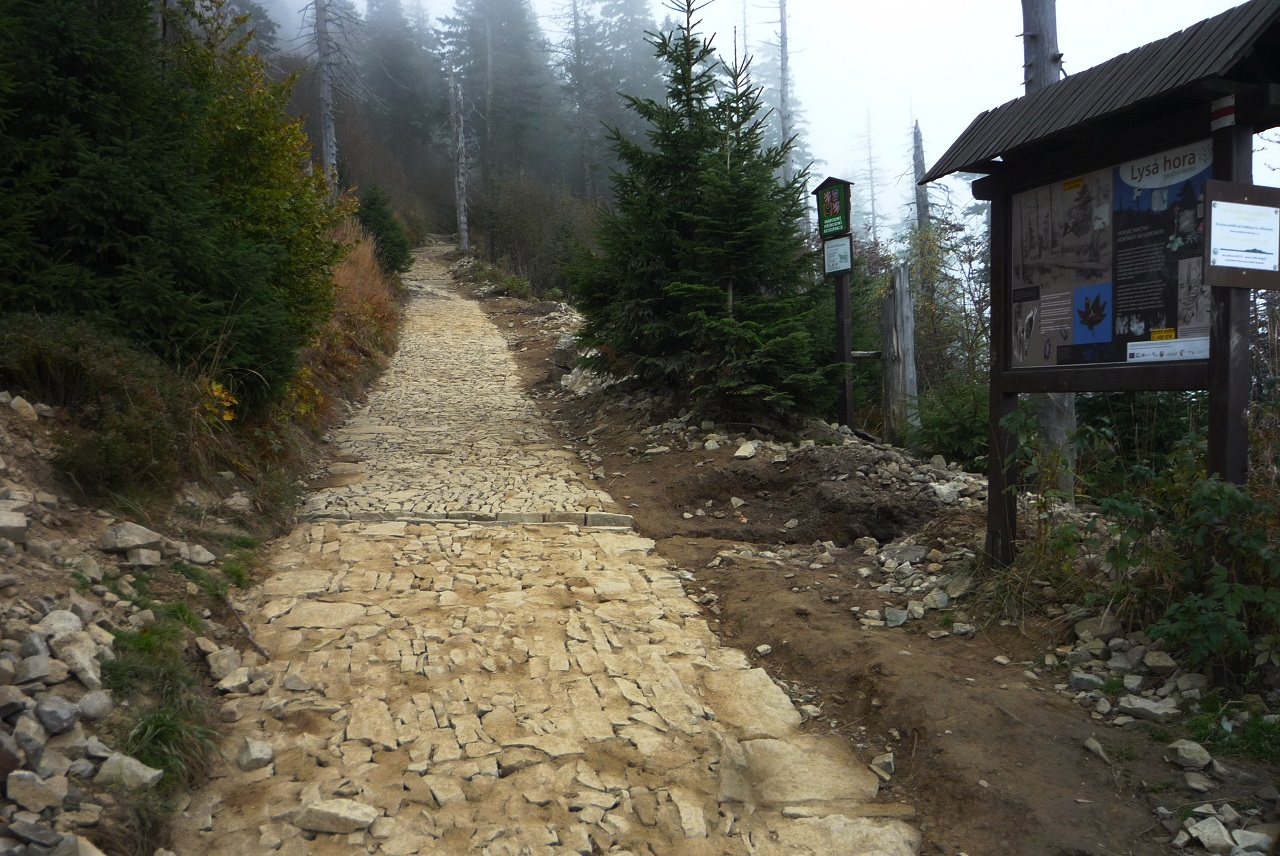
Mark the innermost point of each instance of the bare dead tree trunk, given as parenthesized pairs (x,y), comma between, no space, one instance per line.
(326,63)
(1056,413)
(922,191)
(784,96)
(1042,60)
(458,120)
(575,77)
(487,154)
(871,185)
(898,352)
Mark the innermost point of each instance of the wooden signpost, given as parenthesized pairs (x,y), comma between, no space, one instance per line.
(833,226)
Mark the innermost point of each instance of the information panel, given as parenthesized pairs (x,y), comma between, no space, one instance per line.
(1108,267)
(837,255)
(1242,235)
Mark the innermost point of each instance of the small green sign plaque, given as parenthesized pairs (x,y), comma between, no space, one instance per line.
(833,207)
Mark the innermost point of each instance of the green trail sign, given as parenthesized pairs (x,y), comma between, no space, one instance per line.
(833,207)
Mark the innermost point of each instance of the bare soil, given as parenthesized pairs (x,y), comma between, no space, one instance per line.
(990,756)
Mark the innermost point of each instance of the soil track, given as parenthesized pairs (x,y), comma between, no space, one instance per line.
(990,753)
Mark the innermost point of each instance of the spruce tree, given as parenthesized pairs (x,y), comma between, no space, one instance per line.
(704,280)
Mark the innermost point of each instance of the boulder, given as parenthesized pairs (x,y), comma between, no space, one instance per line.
(11,755)
(33,793)
(128,773)
(1084,681)
(254,755)
(96,705)
(937,599)
(26,412)
(339,816)
(58,622)
(1099,627)
(223,662)
(236,682)
(1212,835)
(14,526)
(1159,662)
(56,714)
(1161,710)
(947,494)
(12,700)
(1189,755)
(124,537)
(80,653)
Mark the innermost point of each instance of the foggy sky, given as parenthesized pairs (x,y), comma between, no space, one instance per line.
(864,71)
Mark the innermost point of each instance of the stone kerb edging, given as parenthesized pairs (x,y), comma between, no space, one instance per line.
(588,519)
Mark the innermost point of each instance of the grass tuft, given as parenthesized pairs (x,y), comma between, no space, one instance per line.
(173,741)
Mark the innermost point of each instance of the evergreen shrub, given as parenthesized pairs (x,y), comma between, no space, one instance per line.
(389,237)
(953,422)
(704,280)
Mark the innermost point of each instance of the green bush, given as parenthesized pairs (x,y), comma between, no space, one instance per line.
(953,422)
(1120,430)
(1195,556)
(131,417)
(391,243)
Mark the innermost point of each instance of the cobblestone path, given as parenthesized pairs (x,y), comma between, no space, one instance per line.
(446,677)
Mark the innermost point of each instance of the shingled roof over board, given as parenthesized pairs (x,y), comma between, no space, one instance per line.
(1227,47)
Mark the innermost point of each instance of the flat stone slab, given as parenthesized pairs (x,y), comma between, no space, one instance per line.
(797,771)
(751,702)
(847,836)
(124,537)
(313,613)
(297,583)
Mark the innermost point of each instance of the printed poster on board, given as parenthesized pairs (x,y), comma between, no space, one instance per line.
(1108,266)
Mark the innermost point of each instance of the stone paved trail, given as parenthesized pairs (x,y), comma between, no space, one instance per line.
(446,677)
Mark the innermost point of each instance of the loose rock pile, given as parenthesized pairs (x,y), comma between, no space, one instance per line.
(63,597)
(1154,687)
(1220,828)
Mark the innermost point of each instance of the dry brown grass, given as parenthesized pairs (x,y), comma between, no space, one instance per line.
(354,344)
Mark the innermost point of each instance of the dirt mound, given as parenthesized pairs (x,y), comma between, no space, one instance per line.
(812,491)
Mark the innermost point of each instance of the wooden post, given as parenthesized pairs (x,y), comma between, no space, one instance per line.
(898,349)
(844,350)
(1002,501)
(1230,372)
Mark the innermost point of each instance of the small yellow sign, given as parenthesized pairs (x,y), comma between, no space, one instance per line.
(1163,334)
(1073,184)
